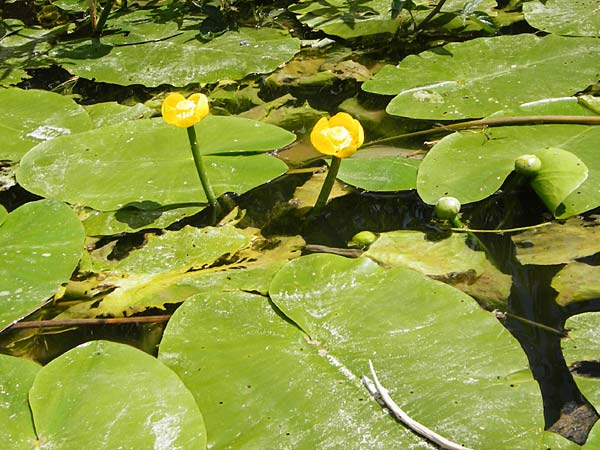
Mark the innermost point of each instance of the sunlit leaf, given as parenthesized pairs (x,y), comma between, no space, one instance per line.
(566,17)
(30,117)
(558,243)
(480,161)
(577,282)
(450,83)
(16,377)
(110,395)
(40,246)
(149,163)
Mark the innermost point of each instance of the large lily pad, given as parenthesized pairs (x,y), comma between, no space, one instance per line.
(558,243)
(30,117)
(40,246)
(449,83)
(254,374)
(137,402)
(261,384)
(16,377)
(437,351)
(566,17)
(481,161)
(177,59)
(449,260)
(149,161)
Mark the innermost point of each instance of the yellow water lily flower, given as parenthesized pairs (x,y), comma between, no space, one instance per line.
(184,112)
(339,136)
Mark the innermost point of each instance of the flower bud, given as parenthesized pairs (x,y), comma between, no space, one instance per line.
(446,208)
(528,165)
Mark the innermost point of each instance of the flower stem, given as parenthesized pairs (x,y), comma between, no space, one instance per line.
(327,185)
(104,16)
(208,190)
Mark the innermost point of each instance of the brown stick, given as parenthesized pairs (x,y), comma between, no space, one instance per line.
(496,122)
(78,322)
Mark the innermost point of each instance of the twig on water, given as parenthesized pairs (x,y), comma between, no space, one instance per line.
(380,394)
(76,322)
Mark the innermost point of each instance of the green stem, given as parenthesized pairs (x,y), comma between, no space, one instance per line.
(104,16)
(327,185)
(495,122)
(208,190)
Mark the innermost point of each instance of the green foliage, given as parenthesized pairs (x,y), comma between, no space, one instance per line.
(565,17)
(450,83)
(135,171)
(40,244)
(137,401)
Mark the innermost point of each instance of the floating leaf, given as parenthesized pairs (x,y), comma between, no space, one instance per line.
(112,113)
(3,214)
(260,384)
(30,117)
(132,219)
(577,282)
(558,242)
(115,166)
(179,59)
(16,377)
(566,17)
(368,171)
(464,377)
(448,83)
(40,246)
(449,260)
(137,401)
(560,175)
(481,162)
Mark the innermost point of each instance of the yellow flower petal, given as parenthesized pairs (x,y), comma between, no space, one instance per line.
(339,136)
(182,112)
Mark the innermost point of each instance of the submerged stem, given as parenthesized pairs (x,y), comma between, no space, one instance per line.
(104,16)
(327,185)
(208,190)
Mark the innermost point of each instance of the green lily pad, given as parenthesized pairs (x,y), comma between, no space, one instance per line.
(449,260)
(452,365)
(558,243)
(368,171)
(566,17)
(481,161)
(137,401)
(113,113)
(177,59)
(30,117)
(261,384)
(132,219)
(41,243)
(577,282)
(448,83)
(16,378)
(115,166)
(3,214)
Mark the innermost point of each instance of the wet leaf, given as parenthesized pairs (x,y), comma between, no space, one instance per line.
(577,282)
(115,166)
(481,161)
(449,260)
(558,242)
(178,58)
(366,170)
(30,117)
(447,373)
(16,377)
(261,384)
(137,401)
(40,245)
(113,113)
(566,17)
(131,219)
(448,83)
